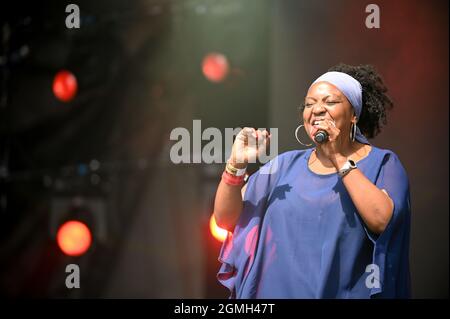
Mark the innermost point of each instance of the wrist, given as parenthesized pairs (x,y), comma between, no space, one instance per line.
(346,168)
(235,171)
(237,164)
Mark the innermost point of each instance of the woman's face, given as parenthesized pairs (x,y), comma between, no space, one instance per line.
(325,101)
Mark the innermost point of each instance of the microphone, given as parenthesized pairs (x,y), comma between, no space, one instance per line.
(321,137)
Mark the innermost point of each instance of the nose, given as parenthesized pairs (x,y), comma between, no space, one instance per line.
(318,109)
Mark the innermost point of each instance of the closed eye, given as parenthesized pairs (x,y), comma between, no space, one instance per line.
(328,103)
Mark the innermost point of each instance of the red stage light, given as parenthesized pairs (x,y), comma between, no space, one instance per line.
(219,233)
(74,238)
(65,86)
(215,67)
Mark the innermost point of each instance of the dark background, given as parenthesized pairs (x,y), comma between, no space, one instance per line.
(138,67)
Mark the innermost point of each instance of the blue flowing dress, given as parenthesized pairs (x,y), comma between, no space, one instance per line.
(300,235)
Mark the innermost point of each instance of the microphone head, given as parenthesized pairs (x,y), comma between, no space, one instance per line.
(321,137)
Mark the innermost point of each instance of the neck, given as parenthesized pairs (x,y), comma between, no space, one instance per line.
(348,149)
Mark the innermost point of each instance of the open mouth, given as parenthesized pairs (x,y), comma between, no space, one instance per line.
(317,121)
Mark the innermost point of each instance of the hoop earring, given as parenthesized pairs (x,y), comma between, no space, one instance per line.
(353,132)
(296,137)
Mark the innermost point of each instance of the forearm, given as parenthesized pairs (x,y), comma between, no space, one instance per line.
(227,205)
(374,206)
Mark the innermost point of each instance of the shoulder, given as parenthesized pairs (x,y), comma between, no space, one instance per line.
(268,175)
(284,161)
(390,162)
(385,154)
(280,165)
(292,156)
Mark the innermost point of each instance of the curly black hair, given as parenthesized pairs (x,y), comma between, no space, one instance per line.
(374,98)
